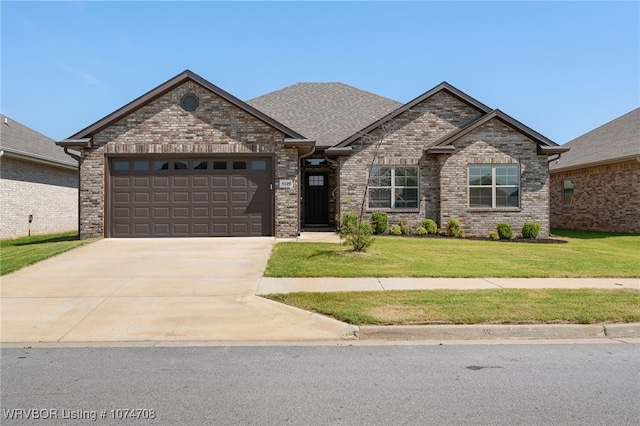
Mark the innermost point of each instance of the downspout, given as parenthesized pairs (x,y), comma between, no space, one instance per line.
(78,159)
(301,187)
(556,159)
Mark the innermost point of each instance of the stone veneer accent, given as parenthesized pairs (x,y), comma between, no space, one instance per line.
(403,142)
(49,193)
(495,143)
(605,198)
(162,127)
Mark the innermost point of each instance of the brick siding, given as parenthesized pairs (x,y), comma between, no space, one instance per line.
(443,178)
(48,193)
(495,143)
(605,198)
(162,127)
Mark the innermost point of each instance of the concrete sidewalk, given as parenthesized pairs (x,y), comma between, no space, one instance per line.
(291,285)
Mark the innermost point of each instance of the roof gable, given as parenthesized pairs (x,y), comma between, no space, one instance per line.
(170,85)
(616,140)
(444,86)
(495,114)
(324,112)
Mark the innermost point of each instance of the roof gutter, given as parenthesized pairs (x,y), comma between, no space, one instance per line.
(20,155)
(75,144)
(305,146)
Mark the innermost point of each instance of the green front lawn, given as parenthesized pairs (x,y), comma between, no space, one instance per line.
(586,254)
(503,306)
(21,252)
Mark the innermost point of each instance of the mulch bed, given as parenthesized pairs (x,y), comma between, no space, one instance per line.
(513,240)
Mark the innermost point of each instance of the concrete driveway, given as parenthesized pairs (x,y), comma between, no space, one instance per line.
(133,290)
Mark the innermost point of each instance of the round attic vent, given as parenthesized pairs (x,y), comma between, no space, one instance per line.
(189,102)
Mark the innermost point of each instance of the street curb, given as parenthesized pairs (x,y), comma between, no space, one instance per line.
(499,331)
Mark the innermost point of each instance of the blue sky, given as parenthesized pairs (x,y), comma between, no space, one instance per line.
(562,68)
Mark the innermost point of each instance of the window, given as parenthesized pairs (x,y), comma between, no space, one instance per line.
(316,180)
(393,187)
(567,192)
(239,165)
(219,165)
(160,165)
(120,166)
(200,165)
(180,165)
(494,186)
(259,165)
(140,166)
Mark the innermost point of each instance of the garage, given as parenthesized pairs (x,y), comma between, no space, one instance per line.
(190,197)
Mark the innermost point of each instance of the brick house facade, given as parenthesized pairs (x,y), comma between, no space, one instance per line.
(38,184)
(596,185)
(162,166)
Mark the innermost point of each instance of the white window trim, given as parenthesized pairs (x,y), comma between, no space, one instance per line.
(493,187)
(393,189)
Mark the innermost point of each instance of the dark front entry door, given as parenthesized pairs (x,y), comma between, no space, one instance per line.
(316,199)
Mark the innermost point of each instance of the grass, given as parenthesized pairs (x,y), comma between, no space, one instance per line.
(21,252)
(587,254)
(502,306)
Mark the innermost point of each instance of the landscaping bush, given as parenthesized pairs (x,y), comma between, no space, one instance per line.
(349,220)
(395,230)
(505,231)
(421,231)
(493,236)
(380,222)
(356,234)
(430,226)
(530,230)
(405,228)
(453,228)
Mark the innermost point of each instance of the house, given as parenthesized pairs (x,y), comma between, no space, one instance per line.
(38,183)
(189,159)
(596,185)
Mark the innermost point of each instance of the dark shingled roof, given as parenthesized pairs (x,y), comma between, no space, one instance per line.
(21,140)
(617,140)
(325,112)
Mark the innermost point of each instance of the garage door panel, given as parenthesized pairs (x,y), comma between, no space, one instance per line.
(122,213)
(180,212)
(142,197)
(141,182)
(121,197)
(180,182)
(200,197)
(181,197)
(200,212)
(176,201)
(161,197)
(161,212)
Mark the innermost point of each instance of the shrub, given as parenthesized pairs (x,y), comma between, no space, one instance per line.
(421,231)
(530,230)
(405,228)
(356,234)
(453,228)
(493,236)
(395,230)
(380,222)
(430,226)
(505,231)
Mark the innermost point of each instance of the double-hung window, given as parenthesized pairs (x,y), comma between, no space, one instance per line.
(494,186)
(393,187)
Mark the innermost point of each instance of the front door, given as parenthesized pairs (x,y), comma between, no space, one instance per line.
(316,199)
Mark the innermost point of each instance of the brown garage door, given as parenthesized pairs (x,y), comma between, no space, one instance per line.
(190,197)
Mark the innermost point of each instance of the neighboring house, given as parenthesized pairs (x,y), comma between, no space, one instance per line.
(189,159)
(596,185)
(38,183)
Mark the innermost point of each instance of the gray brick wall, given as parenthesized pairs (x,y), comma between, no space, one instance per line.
(443,178)
(48,193)
(403,143)
(495,143)
(606,198)
(161,126)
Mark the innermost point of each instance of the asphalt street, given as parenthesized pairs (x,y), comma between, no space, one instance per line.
(516,384)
